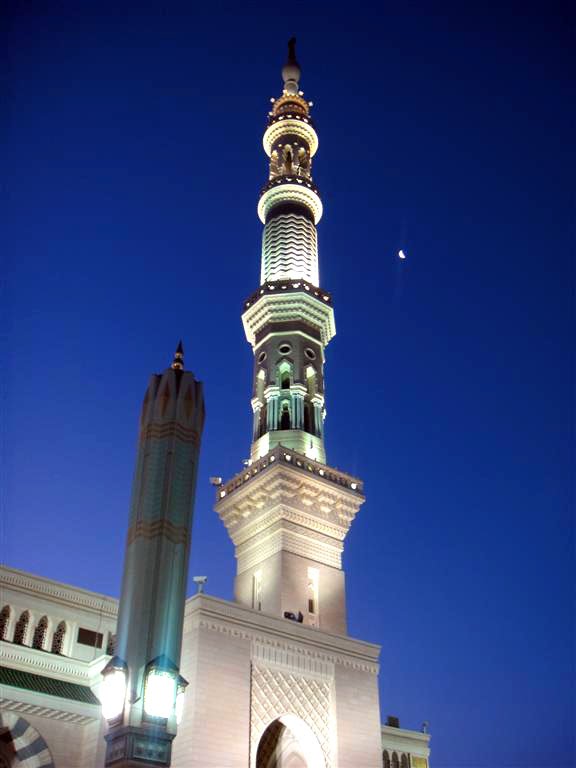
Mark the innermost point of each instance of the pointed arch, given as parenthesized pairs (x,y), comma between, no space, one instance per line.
(5,616)
(288,740)
(404,761)
(386,759)
(40,632)
(58,638)
(284,374)
(21,628)
(395,762)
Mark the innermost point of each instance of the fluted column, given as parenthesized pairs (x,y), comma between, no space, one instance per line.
(151,611)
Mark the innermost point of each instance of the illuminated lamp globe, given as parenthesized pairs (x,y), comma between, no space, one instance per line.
(161,688)
(113,690)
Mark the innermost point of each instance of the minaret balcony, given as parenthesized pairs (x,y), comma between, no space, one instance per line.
(295,189)
(300,463)
(296,125)
(289,301)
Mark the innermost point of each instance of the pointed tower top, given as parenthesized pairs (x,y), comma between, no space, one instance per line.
(178,362)
(291,70)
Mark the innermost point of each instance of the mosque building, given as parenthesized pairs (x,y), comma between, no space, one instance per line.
(273,678)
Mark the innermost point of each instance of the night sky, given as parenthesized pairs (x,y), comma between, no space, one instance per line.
(134,165)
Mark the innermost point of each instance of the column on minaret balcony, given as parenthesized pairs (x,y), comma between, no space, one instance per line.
(318,404)
(271,393)
(257,418)
(298,392)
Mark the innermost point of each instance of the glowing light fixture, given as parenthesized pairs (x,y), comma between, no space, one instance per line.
(113,691)
(161,688)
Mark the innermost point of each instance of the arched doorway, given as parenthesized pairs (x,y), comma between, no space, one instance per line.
(288,742)
(21,746)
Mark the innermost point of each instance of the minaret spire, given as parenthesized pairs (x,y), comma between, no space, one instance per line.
(178,362)
(289,320)
(291,70)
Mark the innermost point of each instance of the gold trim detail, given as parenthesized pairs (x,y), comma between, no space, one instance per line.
(157,431)
(177,534)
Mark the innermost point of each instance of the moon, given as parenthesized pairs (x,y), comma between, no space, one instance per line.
(401,254)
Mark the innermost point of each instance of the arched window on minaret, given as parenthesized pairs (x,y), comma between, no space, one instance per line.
(311,380)
(303,162)
(285,421)
(404,761)
(386,759)
(5,615)
(260,383)
(395,763)
(284,374)
(308,419)
(257,591)
(21,629)
(39,639)
(288,159)
(58,638)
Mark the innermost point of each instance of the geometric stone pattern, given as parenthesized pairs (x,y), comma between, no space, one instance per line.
(276,693)
(31,751)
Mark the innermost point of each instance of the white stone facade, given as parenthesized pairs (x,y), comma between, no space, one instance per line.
(248,672)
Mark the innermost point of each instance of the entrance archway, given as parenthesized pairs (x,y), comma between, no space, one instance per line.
(21,746)
(288,742)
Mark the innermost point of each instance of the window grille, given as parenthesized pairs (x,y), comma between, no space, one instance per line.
(39,638)
(58,638)
(21,629)
(5,614)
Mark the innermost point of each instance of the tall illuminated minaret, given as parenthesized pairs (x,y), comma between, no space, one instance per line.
(142,689)
(288,513)
(289,320)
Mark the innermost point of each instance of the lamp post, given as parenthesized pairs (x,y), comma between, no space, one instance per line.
(142,689)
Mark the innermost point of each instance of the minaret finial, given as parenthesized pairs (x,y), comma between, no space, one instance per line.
(291,70)
(178,362)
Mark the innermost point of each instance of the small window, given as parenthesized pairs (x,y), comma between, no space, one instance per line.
(4,620)
(39,638)
(261,357)
(313,578)
(310,354)
(257,591)
(21,629)
(88,637)
(284,349)
(58,638)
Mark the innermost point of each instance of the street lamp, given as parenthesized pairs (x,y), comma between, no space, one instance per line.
(113,692)
(161,688)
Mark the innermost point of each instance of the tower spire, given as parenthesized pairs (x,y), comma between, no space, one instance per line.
(289,320)
(178,362)
(291,70)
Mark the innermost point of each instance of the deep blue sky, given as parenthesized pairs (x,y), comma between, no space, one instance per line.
(134,163)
